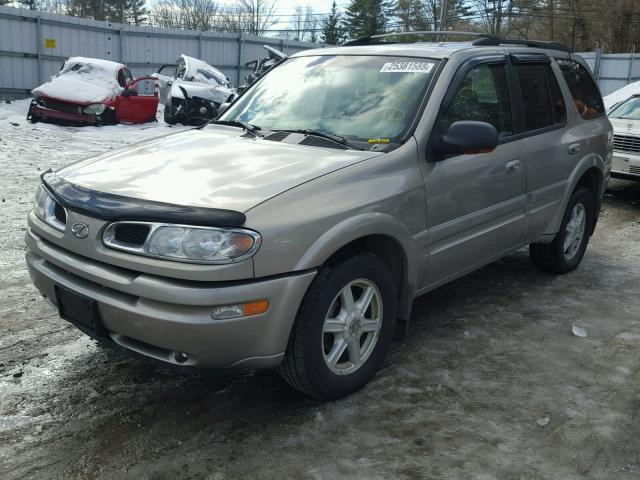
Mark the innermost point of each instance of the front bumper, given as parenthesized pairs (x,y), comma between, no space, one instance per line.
(44,113)
(157,316)
(625,164)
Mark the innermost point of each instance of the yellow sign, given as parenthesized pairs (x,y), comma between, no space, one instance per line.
(50,43)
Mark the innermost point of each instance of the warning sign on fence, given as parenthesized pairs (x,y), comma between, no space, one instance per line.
(50,43)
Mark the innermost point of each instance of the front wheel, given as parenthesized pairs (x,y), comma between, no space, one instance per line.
(343,328)
(565,252)
(169,114)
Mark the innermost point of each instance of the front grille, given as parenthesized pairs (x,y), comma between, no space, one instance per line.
(61,106)
(60,213)
(626,143)
(133,234)
(635,170)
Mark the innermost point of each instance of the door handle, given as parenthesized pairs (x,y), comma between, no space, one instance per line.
(574,148)
(512,166)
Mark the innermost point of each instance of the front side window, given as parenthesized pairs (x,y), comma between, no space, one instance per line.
(483,96)
(542,100)
(585,93)
(357,97)
(629,110)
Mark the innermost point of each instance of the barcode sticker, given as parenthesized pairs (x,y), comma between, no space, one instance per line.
(407,67)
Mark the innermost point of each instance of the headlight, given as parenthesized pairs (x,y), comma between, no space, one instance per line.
(39,202)
(47,210)
(183,242)
(94,109)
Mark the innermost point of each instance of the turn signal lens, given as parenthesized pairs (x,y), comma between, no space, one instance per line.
(255,308)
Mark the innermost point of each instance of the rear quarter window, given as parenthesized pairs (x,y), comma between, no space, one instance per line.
(584,91)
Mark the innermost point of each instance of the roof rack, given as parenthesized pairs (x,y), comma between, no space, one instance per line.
(494,41)
(374,39)
(483,39)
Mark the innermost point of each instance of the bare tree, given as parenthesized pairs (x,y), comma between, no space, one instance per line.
(304,25)
(249,16)
(494,16)
(201,15)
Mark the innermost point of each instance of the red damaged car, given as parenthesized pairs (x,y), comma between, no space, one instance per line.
(94,92)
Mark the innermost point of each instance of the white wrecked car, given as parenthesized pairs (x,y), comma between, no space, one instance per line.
(193,91)
(621,95)
(94,92)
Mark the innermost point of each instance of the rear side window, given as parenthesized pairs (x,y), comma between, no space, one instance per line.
(583,89)
(483,96)
(541,96)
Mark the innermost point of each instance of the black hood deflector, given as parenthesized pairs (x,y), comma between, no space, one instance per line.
(108,206)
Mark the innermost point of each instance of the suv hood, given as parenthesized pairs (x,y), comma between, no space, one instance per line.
(214,167)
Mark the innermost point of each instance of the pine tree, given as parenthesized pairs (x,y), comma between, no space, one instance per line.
(137,12)
(412,15)
(366,17)
(331,31)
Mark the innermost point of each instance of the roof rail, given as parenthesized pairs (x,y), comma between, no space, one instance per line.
(373,39)
(495,41)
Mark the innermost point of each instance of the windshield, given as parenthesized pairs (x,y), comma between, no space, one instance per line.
(629,110)
(357,97)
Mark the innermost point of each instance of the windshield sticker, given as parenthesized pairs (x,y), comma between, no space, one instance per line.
(407,67)
(374,141)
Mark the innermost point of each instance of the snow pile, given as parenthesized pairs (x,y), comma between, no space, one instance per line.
(621,95)
(84,80)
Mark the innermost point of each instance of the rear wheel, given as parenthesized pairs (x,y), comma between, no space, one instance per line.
(343,329)
(565,252)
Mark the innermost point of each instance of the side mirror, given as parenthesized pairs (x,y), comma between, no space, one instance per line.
(469,137)
(222,108)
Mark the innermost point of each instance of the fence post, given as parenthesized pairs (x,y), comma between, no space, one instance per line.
(123,57)
(598,64)
(200,46)
(630,71)
(40,40)
(240,58)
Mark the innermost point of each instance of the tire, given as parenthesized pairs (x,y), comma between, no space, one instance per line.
(305,366)
(168,115)
(554,257)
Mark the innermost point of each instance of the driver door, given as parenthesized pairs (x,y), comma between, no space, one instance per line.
(139,101)
(476,202)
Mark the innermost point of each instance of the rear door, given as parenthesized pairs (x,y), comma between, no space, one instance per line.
(476,203)
(551,149)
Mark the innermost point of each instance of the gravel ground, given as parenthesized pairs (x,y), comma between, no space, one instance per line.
(491,384)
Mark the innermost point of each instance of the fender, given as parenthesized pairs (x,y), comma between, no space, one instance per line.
(350,229)
(585,163)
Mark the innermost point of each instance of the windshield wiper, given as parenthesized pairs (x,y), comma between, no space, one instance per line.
(329,136)
(237,123)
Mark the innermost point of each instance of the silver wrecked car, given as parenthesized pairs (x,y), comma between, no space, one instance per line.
(296,230)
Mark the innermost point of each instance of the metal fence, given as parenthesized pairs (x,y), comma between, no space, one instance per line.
(33,46)
(613,70)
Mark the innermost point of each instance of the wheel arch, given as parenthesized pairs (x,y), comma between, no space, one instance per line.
(377,233)
(589,173)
